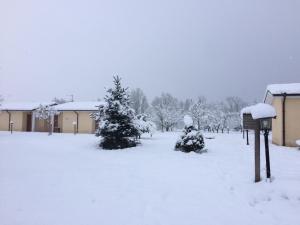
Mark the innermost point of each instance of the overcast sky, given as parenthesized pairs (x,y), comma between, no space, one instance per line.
(215,48)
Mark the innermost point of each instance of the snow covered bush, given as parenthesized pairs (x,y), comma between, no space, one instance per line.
(116,119)
(191,139)
(144,125)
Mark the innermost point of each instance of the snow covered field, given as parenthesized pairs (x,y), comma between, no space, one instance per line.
(66,180)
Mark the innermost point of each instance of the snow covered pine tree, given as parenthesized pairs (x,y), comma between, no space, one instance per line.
(115,119)
(191,139)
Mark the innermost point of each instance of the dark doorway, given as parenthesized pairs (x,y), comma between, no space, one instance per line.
(56,128)
(28,123)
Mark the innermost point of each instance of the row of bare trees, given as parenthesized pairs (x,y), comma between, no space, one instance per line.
(167,111)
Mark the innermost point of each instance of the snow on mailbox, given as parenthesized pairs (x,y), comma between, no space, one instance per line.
(258,116)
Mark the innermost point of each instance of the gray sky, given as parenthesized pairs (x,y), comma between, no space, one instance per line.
(215,48)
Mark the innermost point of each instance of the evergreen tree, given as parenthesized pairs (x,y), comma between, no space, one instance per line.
(191,139)
(115,119)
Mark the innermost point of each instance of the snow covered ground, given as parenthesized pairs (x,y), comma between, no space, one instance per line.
(66,180)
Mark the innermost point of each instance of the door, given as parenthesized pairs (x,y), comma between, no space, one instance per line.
(28,122)
(56,127)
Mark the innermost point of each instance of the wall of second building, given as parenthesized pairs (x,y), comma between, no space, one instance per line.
(277,123)
(18,117)
(41,125)
(85,123)
(68,117)
(4,123)
(292,120)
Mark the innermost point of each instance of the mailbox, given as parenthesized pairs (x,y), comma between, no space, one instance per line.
(249,123)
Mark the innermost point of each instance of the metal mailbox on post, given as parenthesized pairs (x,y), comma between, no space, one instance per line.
(250,124)
(257,118)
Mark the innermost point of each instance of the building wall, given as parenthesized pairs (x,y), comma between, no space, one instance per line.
(277,123)
(292,121)
(4,121)
(17,117)
(85,123)
(41,125)
(67,121)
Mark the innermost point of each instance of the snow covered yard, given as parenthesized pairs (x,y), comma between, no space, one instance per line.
(65,179)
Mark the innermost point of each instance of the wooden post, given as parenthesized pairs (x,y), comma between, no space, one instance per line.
(74,127)
(247,131)
(257,154)
(33,121)
(50,129)
(243,134)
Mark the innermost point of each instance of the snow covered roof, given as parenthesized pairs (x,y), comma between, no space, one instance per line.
(78,106)
(259,111)
(22,106)
(291,88)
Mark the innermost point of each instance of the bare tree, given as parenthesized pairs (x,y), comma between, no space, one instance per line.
(167,111)
(186,105)
(232,106)
(138,101)
(199,110)
(46,113)
(59,100)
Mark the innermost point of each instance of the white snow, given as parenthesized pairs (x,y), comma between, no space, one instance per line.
(66,179)
(291,88)
(246,110)
(22,106)
(188,121)
(81,106)
(260,110)
(298,142)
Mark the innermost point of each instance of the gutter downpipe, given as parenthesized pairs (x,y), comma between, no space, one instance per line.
(283,119)
(77,121)
(9,119)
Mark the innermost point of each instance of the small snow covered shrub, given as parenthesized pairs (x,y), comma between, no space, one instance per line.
(191,139)
(144,125)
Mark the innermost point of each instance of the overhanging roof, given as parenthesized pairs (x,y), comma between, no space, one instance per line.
(22,106)
(290,89)
(78,106)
